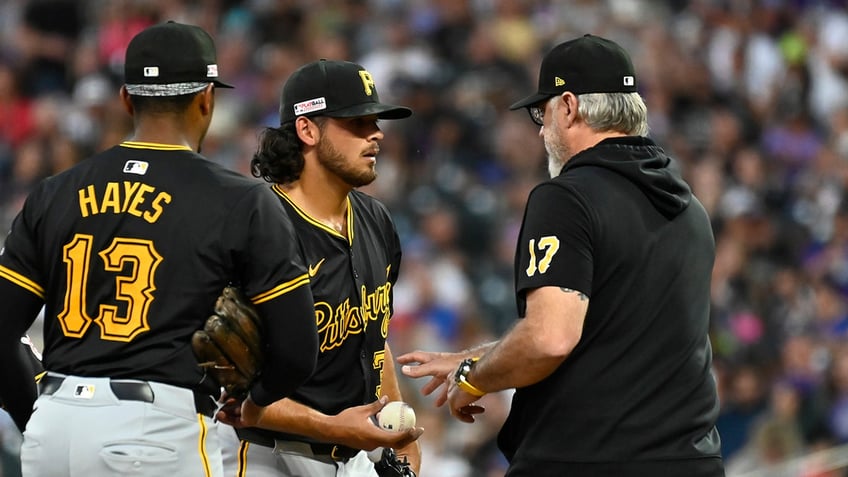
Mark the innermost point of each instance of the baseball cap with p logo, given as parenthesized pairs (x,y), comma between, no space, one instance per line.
(588,64)
(171,59)
(339,89)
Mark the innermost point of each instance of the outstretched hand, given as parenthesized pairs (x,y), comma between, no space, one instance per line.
(357,427)
(439,366)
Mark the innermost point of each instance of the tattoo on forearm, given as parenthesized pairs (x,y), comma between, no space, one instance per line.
(580,295)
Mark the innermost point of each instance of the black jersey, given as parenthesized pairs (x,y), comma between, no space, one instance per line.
(351,279)
(636,394)
(129,250)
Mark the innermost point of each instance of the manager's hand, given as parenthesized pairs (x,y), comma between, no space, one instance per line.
(439,366)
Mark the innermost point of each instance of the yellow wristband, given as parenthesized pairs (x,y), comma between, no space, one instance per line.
(461,378)
(469,388)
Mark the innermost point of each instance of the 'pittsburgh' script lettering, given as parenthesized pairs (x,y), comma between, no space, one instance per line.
(134,198)
(336,323)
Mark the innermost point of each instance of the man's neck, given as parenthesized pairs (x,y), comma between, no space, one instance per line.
(163,131)
(323,201)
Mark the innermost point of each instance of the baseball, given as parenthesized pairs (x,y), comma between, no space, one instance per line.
(396,416)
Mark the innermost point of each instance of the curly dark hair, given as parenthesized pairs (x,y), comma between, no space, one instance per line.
(279,158)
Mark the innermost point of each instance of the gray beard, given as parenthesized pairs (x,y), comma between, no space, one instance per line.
(558,155)
(554,166)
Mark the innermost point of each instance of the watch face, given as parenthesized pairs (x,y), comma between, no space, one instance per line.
(463,369)
(458,372)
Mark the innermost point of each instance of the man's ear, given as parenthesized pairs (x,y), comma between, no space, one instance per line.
(125,100)
(307,130)
(569,107)
(207,99)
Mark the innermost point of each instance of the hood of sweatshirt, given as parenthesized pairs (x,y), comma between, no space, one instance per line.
(645,164)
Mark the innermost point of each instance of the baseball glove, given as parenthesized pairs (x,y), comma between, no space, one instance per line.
(390,465)
(229,347)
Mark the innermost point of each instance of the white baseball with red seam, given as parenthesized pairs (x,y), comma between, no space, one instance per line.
(396,416)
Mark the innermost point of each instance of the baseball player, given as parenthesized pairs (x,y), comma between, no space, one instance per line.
(128,251)
(326,146)
(611,361)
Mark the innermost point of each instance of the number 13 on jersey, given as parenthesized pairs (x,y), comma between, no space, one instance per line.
(135,289)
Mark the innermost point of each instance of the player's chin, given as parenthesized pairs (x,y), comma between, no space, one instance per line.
(371,166)
(363,178)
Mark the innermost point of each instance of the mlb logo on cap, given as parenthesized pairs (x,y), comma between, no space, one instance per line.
(171,59)
(584,65)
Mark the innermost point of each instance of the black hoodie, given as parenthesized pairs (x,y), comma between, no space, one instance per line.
(643,163)
(636,395)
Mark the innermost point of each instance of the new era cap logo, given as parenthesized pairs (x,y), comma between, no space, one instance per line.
(151,71)
(629,81)
(211,71)
(310,105)
(559,81)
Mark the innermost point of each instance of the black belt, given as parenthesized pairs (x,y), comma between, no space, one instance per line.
(131,391)
(336,452)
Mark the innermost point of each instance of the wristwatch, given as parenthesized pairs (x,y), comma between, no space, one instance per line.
(461,378)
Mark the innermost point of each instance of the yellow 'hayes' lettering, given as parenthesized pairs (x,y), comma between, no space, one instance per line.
(157,207)
(127,197)
(129,191)
(111,199)
(87,201)
(138,199)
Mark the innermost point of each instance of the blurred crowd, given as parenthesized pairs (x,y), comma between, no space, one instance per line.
(750,95)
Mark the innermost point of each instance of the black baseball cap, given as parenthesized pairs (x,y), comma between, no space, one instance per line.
(588,64)
(338,89)
(170,59)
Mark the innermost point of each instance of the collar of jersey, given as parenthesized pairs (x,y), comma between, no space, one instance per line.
(154,145)
(316,222)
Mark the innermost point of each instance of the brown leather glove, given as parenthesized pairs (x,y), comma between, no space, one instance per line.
(229,347)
